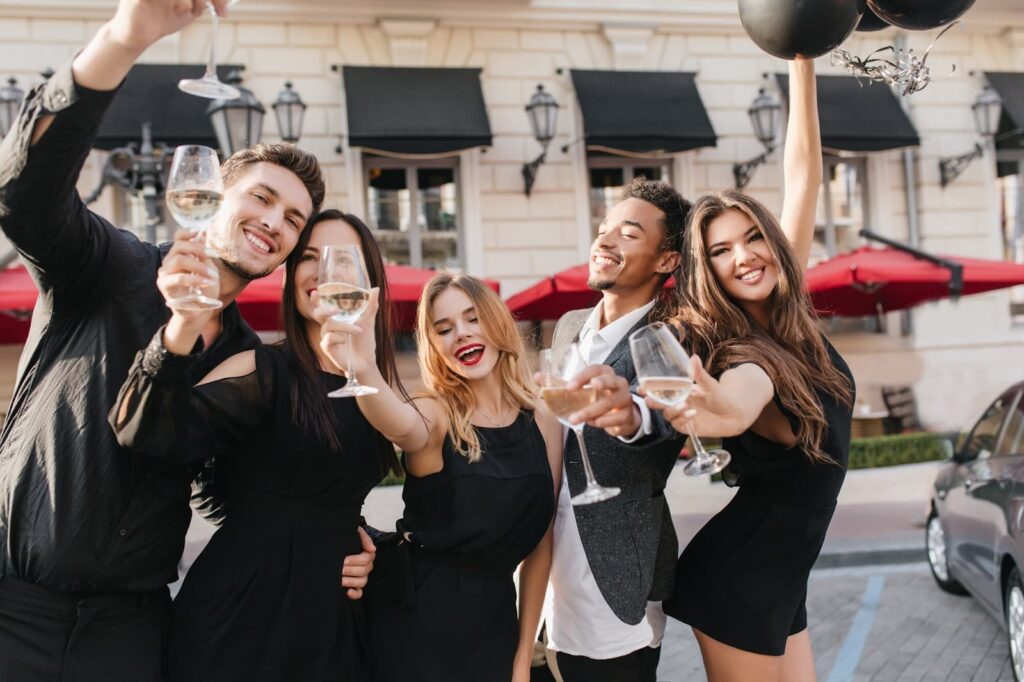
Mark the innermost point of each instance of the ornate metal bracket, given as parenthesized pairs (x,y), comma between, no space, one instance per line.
(530,171)
(951,168)
(743,172)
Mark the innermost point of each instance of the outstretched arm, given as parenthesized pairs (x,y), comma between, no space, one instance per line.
(801,160)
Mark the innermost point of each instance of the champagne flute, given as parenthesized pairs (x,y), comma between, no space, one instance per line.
(663,369)
(209,85)
(558,366)
(194,193)
(344,285)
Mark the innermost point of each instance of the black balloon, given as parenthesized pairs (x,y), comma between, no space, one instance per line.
(799,28)
(871,22)
(919,15)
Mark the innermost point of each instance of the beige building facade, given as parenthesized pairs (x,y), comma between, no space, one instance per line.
(468,208)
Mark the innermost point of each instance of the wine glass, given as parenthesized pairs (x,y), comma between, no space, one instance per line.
(344,285)
(209,85)
(558,366)
(663,369)
(194,193)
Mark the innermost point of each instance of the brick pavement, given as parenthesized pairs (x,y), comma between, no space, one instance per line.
(919,634)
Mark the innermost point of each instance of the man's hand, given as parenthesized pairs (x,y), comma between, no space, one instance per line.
(614,410)
(356,571)
(140,23)
(188,264)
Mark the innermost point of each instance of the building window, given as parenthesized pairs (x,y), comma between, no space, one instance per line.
(414,211)
(842,207)
(1011,219)
(610,177)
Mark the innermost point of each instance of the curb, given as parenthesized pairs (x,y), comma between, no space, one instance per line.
(871,557)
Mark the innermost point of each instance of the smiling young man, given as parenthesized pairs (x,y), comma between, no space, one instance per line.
(89,535)
(614,561)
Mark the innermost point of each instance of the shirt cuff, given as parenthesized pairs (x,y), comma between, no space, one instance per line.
(645,421)
(161,365)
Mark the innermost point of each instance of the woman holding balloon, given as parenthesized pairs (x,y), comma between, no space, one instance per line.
(780,396)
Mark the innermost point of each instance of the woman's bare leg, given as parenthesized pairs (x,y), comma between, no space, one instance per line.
(798,661)
(725,663)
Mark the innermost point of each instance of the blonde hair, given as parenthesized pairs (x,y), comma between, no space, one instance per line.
(453,391)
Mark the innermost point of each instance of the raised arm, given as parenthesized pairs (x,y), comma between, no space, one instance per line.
(801,160)
(416,430)
(43,154)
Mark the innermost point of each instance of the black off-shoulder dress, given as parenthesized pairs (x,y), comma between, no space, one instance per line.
(742,580)
(441,606)
(264,599)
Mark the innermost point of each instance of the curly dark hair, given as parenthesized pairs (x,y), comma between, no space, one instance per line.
(670,202)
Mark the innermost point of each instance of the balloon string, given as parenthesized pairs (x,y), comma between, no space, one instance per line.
(902,68)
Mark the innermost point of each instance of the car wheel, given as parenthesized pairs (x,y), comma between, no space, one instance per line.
(935,544)
(1014,613)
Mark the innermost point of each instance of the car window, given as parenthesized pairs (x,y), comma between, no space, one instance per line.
(1012,442)
(982,441)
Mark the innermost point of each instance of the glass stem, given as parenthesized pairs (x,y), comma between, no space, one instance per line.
(591,481)
(211,64)
(700,453)
(348,365)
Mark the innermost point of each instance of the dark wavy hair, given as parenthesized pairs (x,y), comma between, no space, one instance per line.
(311,408)
(791,350)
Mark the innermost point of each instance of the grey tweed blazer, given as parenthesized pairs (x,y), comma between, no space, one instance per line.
(629,541)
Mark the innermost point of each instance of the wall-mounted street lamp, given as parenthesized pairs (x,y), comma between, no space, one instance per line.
(543,113)
(986,109)
(290,110)
(11,98)
(238,123)
(764,115)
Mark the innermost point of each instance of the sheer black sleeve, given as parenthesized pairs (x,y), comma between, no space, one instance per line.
(160,414)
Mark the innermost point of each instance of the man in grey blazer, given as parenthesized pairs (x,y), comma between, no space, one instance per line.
(614,561)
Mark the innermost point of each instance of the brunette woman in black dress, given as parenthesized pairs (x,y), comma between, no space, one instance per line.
(781,396)
(265,600)
(481,465)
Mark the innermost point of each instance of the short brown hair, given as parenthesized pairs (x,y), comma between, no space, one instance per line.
(302,163)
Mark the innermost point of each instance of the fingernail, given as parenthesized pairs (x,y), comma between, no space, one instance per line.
(211,271)
(210,252)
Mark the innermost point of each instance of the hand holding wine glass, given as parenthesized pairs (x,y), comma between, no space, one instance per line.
(665,375)
(210,86)
(558,366)
(195,191)
(343,284)
(352,346)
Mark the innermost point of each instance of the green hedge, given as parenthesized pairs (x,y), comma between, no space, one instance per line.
(887,451)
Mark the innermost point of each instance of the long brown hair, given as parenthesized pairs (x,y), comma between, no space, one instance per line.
(791,350)
(451,390)
(311,408)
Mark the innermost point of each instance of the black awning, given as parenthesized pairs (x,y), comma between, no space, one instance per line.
(415,110)
(1010,87)
(150,93)
(642,112)
(859,116)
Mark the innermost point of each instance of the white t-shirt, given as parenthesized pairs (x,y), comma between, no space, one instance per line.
(579,620)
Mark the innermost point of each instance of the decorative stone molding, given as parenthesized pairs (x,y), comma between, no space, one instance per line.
(408,40)
(629,45)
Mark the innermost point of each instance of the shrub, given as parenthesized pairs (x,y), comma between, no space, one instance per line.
(887,451)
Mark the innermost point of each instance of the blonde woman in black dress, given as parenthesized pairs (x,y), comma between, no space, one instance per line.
(479,495)
(781,396)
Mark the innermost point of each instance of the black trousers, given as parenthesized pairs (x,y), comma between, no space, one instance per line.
(639,666)
(48,636)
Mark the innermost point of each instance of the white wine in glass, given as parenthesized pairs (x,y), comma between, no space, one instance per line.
(558,366)
(209,86)
(344,285)
(195,191)
(663,369)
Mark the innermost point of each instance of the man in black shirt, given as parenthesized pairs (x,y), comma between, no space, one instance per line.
(90,535)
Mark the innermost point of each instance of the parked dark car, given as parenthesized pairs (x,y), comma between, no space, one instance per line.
(974,535)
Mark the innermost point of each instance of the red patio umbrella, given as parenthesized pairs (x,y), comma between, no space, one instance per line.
(870,279)
(554,296)
(260,302)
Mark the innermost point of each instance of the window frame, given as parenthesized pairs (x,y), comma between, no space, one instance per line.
(1010,400)
(416,230)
